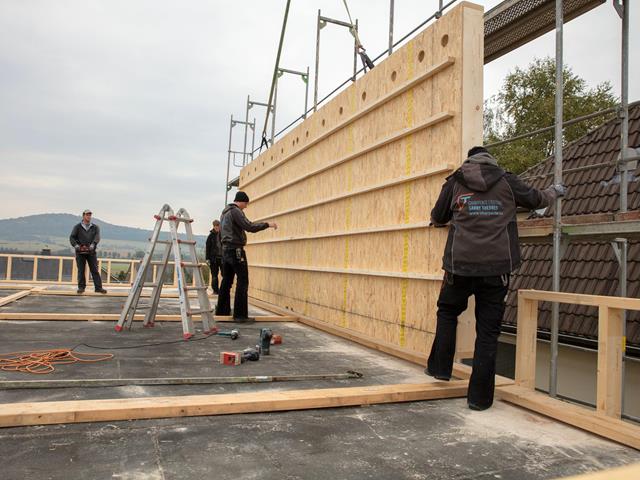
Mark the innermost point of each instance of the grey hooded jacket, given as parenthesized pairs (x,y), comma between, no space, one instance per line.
(233,224)
(480,200)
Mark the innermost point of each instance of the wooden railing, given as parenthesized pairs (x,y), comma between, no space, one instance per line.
(611,342)
(45,269)
(606,420)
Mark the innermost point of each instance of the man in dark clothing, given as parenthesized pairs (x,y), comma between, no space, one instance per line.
(84,238)
(233,224)
(479,202)
(213,253)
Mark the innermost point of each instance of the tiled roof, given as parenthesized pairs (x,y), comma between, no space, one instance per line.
(587,267)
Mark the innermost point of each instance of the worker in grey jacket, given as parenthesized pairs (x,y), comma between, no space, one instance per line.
(479,202)
(84,238)
(233,225)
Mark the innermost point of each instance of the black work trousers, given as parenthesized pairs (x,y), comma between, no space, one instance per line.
(92,260)
(234,264)
(215,265)
(490,293)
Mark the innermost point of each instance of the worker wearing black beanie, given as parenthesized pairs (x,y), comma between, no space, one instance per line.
(233,225)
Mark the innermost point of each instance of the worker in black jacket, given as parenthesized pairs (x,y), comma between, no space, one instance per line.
(84,238)
(479,202)
(213,254)
(233,225)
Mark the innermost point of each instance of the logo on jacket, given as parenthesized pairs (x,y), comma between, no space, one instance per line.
(462,200)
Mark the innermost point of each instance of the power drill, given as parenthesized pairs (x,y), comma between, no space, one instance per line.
(233,334)
(265,340)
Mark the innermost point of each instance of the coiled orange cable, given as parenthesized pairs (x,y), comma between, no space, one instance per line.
(43,361)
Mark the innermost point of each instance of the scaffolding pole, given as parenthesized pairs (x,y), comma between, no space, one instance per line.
(557,213)
(622,7)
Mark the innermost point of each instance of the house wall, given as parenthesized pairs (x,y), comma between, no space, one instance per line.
(351,189)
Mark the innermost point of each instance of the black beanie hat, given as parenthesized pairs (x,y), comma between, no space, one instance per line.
(241,197)
(475,150)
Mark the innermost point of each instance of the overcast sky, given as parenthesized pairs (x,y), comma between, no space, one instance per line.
(123,105)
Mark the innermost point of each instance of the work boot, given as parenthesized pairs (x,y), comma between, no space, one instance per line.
(244,319)
(101,290)
(478,408)
(437,377)
(80,290)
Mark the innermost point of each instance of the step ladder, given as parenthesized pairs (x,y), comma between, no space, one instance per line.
(181,265)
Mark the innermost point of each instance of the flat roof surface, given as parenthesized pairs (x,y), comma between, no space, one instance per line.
(439,439)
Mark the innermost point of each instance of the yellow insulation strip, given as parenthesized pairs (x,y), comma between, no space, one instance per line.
(407,199)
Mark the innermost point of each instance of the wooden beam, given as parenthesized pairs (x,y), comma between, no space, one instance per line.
(628,472)
(610,352)
(79,411)
(352,271)
(108,294)
(12,298)
(115,316)
(526,339)
(614,429)
(582,299)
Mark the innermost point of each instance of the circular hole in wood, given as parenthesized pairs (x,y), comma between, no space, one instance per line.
(306,134)
(297,140)
(394,74)
(340,110)
(444,40)
(421,55)
(293,143)
(272,158)
(263,163)
(323,122)
(364,96)
(282,150)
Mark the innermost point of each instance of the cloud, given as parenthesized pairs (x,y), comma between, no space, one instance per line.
(124,105)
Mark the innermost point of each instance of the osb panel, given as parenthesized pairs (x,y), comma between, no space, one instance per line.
(311,181)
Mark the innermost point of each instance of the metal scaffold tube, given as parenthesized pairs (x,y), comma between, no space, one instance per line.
(557,213)
(624,146)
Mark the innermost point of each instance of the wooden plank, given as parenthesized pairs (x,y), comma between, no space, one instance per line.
(614,429)
(111,293)
(526,340)
(79,411)
(12,298)
(628,472)
(582,299)
(343,233)
(353,271)
(114,317)
(610,352)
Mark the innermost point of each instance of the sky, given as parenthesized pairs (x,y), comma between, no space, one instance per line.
(121,106)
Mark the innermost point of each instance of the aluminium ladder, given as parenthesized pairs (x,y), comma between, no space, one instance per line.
(146,266)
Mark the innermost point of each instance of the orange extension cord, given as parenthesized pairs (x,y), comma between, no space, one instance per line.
(43,361)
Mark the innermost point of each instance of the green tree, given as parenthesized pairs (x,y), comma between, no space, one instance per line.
(526,102)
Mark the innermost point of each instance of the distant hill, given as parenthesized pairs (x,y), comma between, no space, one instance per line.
(53,228)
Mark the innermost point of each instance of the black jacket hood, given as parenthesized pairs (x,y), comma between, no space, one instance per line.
(479,172)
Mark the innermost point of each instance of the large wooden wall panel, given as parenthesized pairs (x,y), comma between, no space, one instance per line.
(351,189)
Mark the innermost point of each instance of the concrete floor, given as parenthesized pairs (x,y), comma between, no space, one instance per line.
(420,440)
